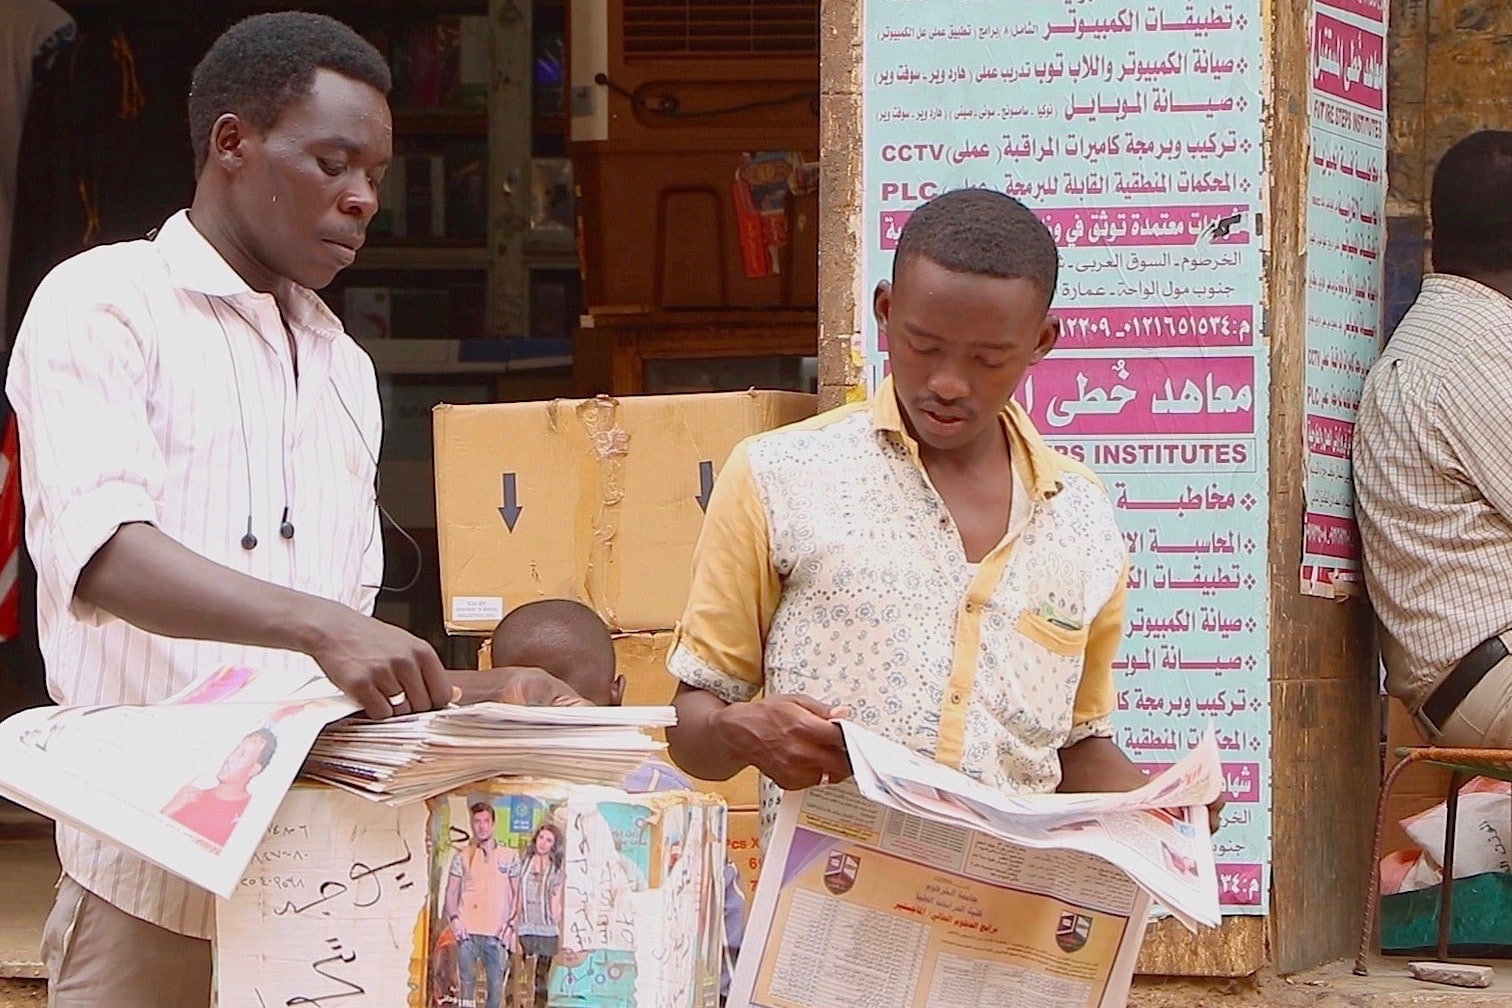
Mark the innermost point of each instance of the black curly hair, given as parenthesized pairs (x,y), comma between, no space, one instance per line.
(263,63)
(984,232)
(1471,205)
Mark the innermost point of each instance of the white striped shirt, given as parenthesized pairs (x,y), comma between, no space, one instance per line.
(1433,486)
(151,384)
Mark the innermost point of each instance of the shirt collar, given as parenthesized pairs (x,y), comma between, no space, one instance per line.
(195,265)
(1038,464)
(1454,285)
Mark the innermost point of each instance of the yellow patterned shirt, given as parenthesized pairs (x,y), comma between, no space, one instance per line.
(828,565)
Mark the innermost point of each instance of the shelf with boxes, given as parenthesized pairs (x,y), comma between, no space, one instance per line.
(424,273)
(474,237)
(436,188)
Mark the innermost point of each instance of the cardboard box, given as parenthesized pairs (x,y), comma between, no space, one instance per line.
(599,500)
(301,895)
(642,659)
(638,906)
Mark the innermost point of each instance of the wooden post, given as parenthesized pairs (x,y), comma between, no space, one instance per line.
(841,303)
(509,135)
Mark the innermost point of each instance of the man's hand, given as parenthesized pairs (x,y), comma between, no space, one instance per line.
(790,738)
(516,684)
(1215,814)
(534,687)
(385,669)
(1097,764)
(458,931)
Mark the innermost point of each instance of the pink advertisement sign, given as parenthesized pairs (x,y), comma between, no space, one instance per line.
(1349,62)
(1142,395)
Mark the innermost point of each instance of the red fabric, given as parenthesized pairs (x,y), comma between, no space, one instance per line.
(10,533)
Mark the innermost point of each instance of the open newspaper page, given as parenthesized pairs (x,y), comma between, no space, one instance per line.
(1158,833)
(190,784)
(926,889)
(859,903)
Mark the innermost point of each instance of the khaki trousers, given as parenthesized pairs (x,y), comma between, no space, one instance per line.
(100,957)
(1484,718)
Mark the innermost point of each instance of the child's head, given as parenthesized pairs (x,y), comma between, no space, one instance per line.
(966,312)
(568,640)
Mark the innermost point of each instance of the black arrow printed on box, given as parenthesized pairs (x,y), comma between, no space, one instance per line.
(510,512)
(705,484)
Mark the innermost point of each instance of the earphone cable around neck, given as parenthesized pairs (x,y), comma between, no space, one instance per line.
(286,528)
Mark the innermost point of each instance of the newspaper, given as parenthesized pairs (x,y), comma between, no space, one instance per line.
(925,889)
(190,784)
(419,756)
(1158,834)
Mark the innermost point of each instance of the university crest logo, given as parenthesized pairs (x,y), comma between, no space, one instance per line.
(840,872)
(1072,931)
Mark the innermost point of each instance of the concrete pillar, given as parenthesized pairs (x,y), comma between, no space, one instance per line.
(840,302)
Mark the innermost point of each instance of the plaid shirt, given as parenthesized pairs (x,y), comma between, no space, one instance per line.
(1433,483)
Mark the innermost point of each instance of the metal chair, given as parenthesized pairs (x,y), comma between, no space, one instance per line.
(1462,765)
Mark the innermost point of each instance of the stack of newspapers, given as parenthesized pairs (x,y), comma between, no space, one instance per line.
(191,783)
(411,758)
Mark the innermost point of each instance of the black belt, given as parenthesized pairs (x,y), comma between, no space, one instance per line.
(1449,694)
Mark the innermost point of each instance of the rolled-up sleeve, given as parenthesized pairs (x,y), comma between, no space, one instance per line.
(78,381)
(721,638)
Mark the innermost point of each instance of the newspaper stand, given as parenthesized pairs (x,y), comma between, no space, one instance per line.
(346,893)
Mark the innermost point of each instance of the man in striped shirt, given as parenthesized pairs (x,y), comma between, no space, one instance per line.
(199,440)
(1432,480)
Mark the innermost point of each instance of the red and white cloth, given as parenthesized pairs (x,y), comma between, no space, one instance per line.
(10,533)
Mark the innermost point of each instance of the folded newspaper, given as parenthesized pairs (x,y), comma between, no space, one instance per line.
(191,783)
(1158,834)
(922,887)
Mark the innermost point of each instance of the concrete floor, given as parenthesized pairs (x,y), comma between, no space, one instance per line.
(22,993)
(1389,984)
(1332,986)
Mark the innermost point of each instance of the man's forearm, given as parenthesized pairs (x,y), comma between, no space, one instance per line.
(148,579)
(1097,764)
(695,743)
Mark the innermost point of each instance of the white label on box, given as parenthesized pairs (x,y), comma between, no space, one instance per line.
(476,609)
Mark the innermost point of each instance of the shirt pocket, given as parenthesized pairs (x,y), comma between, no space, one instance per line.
(1053,637)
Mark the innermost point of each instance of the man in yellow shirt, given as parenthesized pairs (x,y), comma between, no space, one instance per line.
(923,563)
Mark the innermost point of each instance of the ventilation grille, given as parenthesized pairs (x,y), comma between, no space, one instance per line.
(714,27)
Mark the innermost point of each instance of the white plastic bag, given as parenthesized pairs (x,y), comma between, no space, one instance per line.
(1483,830)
